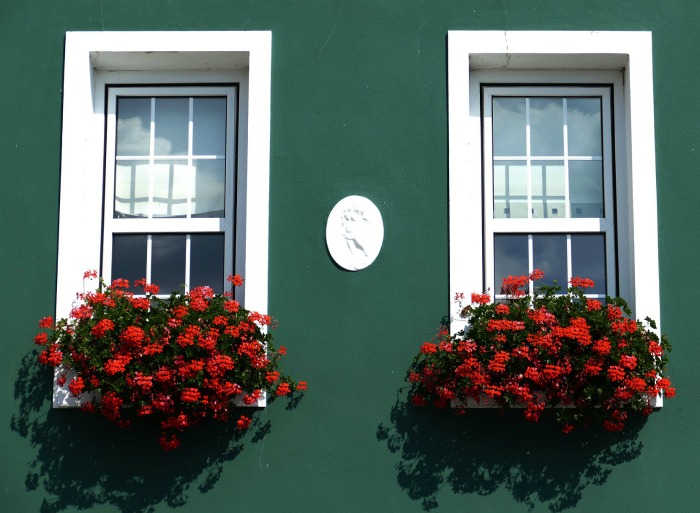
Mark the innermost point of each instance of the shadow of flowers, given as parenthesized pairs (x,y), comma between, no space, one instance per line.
(486,450)
(82,460)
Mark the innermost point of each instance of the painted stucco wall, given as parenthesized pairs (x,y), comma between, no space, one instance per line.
(359,106)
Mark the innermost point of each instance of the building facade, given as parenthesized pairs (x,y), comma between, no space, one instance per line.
(330,99)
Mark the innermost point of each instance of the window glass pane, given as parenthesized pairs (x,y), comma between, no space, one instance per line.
(129,257)
(207,261)
(510,258)
(172,181)
(171,126)
(168,262)
(209,188)
(548,189)
(209,126)
(133,126)
(549,254)
(509,126)
(509,189)
(546,127)
(584,126)
(586,188)
(588,259)
(131,188)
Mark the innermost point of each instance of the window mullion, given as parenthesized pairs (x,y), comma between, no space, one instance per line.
(528,158)
(190,163)
(188,252)
(567,196)
(149,257)
(530,260)
(569,265)
(151,159)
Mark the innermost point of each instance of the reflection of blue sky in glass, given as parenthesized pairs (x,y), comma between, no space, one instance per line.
(510,257)
(129,257)
(549,255)
(168,262)
(172,180)
(209,126)
(172,117)
(588,259)
(207,261)
(168,253)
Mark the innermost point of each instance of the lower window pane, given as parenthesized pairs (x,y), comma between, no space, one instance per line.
(168,262)
(588,259)
(510,258)
(207,261)
(549,255)
(129,257)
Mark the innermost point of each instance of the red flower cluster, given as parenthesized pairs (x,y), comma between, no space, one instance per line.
(178,360)
(546,349)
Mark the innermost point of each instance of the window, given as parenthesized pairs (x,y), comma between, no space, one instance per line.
(584,205)
(165,161)
(548,184)
(170,186)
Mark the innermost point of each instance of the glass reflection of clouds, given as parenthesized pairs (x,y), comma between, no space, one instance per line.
(171,172)
(509,126)
(583,117)
(191,187)
(546,126)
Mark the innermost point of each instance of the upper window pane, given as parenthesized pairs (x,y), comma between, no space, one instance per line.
(547,157)
(172,116)
(170,157)
(209,126)
(546,127)
(509,126)
(133,126)
(583,118)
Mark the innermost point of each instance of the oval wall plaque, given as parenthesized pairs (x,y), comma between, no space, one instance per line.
(354,233)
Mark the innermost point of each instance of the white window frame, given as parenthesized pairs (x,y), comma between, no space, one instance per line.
(567,225)
(95,59)
(164,225)
(495,54)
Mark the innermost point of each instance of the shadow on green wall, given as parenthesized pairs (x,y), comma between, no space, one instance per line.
(81,463)
(486,450)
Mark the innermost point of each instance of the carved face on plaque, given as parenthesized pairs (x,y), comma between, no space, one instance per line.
(354,233)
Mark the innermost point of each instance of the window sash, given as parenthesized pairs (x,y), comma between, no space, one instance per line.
(530,225)
(187,225)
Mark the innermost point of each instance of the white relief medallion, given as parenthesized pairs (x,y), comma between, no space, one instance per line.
(354,233)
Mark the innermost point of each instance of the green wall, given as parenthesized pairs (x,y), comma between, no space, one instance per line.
(358,107)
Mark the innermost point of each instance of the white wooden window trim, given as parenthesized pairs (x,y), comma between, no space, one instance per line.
(94,59)
(499,54)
